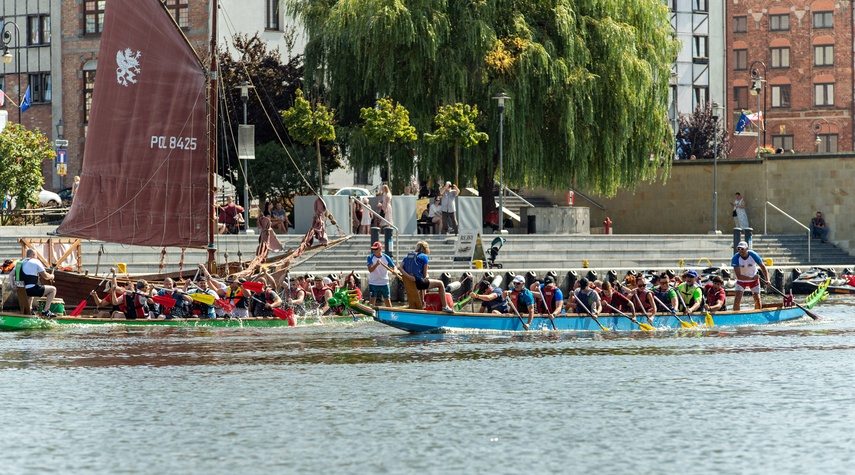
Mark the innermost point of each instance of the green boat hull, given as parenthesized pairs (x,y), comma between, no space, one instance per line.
(11,322)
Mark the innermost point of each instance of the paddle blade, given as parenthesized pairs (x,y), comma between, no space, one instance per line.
(203,298)
(646,327)
(708,320)
(685,324)
(253,286)
(165,301)
(224,304)
(79,308)
(283,314)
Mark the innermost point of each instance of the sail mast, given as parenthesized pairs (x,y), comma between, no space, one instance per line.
(212,139)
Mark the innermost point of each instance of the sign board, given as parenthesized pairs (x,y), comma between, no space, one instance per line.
(246,142)
(465,246)
(61,162)
(60,143)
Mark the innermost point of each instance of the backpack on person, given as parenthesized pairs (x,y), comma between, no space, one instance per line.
(17,276)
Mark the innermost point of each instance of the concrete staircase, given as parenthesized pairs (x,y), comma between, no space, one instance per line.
(792,249)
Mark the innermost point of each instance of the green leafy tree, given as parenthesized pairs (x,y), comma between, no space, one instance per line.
(22,153)
(387,123)
(455,125)
(310,126)
(275,80)
(588,80)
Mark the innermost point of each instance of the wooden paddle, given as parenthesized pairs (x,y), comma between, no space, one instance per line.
(79,308)
(685,307)
(641,305)
(673,313)
(164,300)
(280,313)
(585,307)
(514,307)
(548,310)
(807,311)
(643,326)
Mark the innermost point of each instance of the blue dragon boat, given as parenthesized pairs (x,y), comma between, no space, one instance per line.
(425,321)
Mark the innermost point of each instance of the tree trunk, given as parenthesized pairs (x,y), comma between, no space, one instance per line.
(389,165)
(457,164)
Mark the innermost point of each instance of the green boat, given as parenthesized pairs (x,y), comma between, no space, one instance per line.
(12,321)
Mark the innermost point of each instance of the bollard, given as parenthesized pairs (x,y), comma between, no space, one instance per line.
(530,277)
(389,242)
(375,235)
(572,277)
(737,236)
(509,277)
(591,275)
(749,236)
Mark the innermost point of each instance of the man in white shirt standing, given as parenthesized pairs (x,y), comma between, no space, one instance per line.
(31,270)
(378,277)
(449,208)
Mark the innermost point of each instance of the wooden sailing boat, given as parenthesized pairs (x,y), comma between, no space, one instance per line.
(150,157)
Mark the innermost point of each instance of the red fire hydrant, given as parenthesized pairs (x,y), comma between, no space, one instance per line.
(607,224)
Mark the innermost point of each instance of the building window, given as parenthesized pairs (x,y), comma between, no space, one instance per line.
(701,48)
(180,10)
(40,87)
(823,55)
(824,94)
(740,96)
(700,5)
(741,59)
(823,20)
(93,16)
(740,24)
(827,143)
(700,96)
(779,22)
(88,89)
(780,57)
(781,96)
(783,142)
(271,21)
(38,30)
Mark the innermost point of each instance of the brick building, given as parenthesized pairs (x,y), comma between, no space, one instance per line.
(794,57)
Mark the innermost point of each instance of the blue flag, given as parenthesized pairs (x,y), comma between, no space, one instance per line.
(742,123)
(25,104)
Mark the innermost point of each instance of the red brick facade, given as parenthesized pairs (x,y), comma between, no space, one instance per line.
(806,47)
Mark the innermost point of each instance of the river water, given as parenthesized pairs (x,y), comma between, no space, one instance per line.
(363,398)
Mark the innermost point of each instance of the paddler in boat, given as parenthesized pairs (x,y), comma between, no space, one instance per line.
(295,297)
(203,310)
(554,298)
(587,296)
(214,288)
(322,293)
(138,301)
(522,299)
(492,298)
(236,295)
(616,299)
(113,303)
(265,301)
(643,297)
(691,293)
(415,266)
(31,270)
(664,296)
(745,265)
(169,290)
(715,297)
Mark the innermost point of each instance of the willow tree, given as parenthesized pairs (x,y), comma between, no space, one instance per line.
(455,125)
(22,153)
(387,123)
(588,79)
(310,126)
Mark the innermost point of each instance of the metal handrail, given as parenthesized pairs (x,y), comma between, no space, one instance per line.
(769,203)
(587,198)
(518,196)
(381,218)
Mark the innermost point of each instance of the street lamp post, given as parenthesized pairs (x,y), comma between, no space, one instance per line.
(816,127)
(758,85)
(244,97)
(716,108)
(7,55)
(501,98)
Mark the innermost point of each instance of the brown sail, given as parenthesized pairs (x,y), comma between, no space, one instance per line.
(145,167)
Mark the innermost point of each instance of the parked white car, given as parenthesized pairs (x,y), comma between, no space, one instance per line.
(49,198)
(353,191)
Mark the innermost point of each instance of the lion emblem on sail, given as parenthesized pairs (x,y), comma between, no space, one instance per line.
(128,66)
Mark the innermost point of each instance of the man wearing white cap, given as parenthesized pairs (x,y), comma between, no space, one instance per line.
(378,278)
(745,265)
(522,298)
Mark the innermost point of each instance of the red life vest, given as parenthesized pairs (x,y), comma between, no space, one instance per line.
(642,295)
(514,295)
(136,310)
(549,296)
(319,293)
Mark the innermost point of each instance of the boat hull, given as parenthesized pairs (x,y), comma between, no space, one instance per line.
(421,321)
(11,322)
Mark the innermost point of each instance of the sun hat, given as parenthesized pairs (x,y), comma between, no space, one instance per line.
(377,245)
(742,245)
(692,274)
